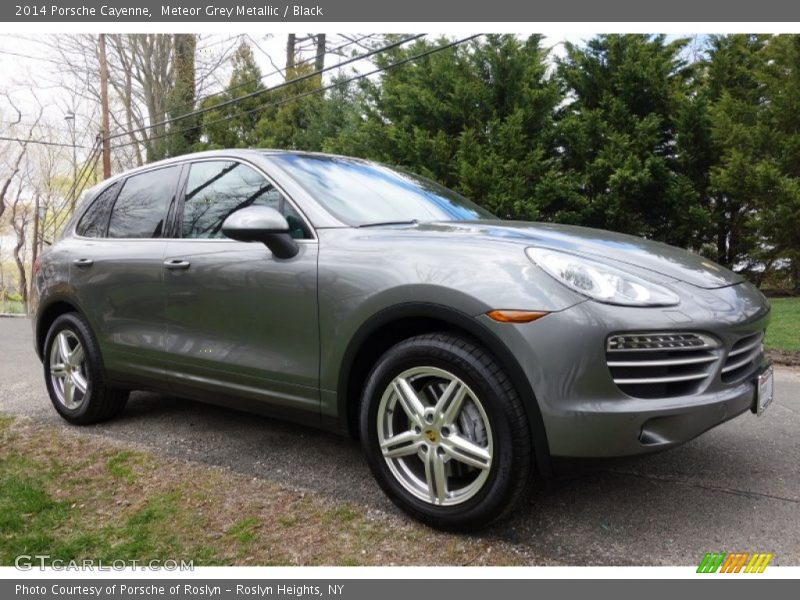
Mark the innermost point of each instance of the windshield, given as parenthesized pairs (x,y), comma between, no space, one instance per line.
(362,194)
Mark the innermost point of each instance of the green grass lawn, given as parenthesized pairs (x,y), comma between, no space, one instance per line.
(74,496)
(784,328)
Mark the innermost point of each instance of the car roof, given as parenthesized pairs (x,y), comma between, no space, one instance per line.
(219,153)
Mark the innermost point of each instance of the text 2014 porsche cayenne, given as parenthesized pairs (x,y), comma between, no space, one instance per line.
(463,350)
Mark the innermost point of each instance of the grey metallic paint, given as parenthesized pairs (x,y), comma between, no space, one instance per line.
(241,327)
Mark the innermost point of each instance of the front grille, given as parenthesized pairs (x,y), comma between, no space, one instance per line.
(659,365)
(742,357)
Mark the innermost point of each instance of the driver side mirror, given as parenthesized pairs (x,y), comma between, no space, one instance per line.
(261,224)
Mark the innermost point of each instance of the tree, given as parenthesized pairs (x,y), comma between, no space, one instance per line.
(735,95)
(292,123)
(618,134)
(143,69)
(21,218)
(477,117)
(777,174)
(181,99)
(295,46)
(505,156)
(12,168)
(233,126)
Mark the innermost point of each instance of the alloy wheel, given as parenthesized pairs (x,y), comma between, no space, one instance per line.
(435,436)
(68,373)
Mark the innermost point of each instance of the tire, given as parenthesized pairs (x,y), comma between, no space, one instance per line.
(484,478)
(90,399)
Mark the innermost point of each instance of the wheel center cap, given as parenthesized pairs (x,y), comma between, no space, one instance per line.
(432,436)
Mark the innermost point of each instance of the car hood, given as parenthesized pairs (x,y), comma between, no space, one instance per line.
(668,261)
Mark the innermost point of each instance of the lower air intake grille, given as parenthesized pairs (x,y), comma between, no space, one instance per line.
(660,365)
(742,357)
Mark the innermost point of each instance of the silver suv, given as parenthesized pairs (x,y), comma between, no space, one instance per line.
(464,351)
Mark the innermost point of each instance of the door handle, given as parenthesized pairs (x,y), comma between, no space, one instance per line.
(177,264)
(83,262)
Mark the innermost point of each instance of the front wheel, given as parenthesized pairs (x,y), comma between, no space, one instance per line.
(445,433)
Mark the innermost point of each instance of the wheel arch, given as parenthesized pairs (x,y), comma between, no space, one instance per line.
(391,325)
(47,314)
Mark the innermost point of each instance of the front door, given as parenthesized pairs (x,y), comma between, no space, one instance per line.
(239,321)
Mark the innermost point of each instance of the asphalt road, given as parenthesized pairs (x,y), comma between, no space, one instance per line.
(735,488)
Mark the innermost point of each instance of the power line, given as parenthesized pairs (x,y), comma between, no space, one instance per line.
(238,99)
(88,174)
(40,58)
(81,183)
(276,71)
(238,86)
(243,84)
(39,142)
(262,91)
(81,173)
(317,90)
(71,192)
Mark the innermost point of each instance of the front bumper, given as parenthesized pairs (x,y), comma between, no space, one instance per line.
(585,414)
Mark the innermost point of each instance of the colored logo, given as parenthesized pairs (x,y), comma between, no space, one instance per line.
(734,562)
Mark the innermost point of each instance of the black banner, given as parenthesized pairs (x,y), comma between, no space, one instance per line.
(391,589)
(496,11)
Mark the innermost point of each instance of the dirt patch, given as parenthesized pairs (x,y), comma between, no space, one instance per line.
(789,358)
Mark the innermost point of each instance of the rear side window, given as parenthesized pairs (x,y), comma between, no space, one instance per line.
(94,221)
(141,207)
(216,189)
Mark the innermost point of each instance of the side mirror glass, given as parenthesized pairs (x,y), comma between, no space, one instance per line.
(261,224)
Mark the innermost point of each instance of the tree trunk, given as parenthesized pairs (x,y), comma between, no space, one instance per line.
(182,97)
(127,100)
(319,63)
(291,41)
(2,279)
(23,278)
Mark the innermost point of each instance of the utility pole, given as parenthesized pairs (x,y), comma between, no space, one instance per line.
(104,107)
(71,118)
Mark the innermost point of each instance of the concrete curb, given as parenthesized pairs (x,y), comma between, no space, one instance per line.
(12,316)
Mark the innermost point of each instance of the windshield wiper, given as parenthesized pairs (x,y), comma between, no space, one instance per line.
(379,223)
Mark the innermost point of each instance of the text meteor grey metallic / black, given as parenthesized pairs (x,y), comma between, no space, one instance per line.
(464,351)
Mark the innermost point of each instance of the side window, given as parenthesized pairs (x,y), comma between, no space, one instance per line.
(141,207)
(216,189)
(94,221)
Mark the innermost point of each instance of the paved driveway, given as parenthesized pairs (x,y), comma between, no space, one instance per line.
(736,488)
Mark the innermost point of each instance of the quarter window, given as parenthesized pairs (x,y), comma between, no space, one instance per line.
(141,207)
(94,221)
(217,189)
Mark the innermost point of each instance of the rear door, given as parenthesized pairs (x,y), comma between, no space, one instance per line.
(239,321)
(117,271)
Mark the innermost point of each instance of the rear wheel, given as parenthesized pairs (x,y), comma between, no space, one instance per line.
(445,433)
(74,375)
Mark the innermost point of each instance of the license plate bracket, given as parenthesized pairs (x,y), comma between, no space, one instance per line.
(765,390)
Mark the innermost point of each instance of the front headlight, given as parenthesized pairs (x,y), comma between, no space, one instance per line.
(600,281)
